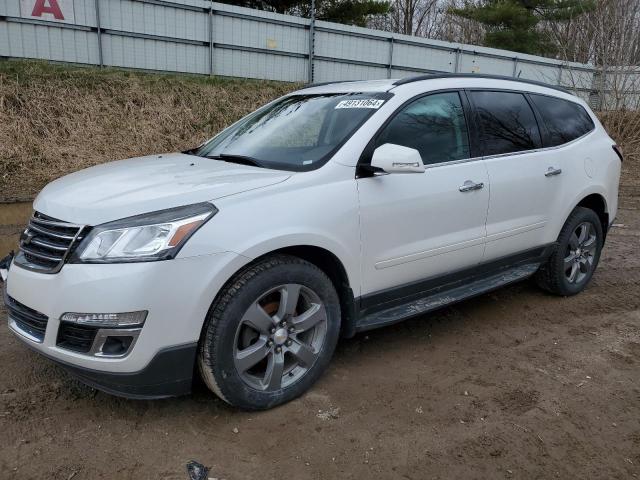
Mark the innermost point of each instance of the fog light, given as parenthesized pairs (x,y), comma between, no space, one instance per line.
(107,320)
(116,346)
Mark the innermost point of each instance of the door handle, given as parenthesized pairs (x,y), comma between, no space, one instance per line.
(551,171)
(469,186)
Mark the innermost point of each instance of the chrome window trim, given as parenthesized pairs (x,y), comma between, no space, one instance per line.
(452,162)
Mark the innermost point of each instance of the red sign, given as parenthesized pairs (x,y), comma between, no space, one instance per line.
(50,10)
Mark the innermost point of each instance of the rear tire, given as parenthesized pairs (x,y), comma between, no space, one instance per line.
(270,334)
(576,255)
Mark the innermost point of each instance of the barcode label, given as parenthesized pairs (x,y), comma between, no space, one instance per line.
(362,103)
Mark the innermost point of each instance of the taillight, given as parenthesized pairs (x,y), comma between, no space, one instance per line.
(618,150)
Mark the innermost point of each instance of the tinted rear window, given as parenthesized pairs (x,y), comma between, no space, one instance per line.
(565,120)
(507,122)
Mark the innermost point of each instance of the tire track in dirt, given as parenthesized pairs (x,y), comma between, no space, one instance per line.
(513,384)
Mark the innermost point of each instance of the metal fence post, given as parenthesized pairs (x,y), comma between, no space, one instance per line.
(390,67)
(99,30)
(312,32)
(602,104)
(559,75)
(211,39)
(515,67)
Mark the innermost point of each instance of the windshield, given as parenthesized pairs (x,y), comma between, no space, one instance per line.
(299,132)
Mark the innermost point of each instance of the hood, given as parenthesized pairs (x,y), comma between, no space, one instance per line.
(125,188)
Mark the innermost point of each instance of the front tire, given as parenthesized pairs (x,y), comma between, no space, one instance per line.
(270,334)
(576,255)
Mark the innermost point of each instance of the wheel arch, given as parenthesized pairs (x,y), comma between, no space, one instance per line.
(331,265)
(598,204)
(325,260)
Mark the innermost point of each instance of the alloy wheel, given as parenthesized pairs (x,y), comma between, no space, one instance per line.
(580,254)
(280,337)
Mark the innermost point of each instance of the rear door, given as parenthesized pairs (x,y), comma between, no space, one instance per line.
(525,181)
(416,226)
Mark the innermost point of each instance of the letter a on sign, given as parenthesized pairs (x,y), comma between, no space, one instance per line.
(49,10)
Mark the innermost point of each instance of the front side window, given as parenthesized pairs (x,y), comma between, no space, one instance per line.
(507,123)
(434,125)
(299,132)
(565,120)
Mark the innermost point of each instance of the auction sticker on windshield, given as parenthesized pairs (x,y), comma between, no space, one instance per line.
(362,103)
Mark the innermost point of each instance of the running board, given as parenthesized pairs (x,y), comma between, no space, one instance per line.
(443,298)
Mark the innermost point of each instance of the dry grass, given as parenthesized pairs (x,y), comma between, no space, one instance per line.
(58,119)
(624,128)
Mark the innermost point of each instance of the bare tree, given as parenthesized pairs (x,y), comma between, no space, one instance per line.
(609,38)
(414,17)
(429,19)
(457,29)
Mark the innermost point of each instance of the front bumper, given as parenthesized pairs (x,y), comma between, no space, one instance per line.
(169,374)
(176,293)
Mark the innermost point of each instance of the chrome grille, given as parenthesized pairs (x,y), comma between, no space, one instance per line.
(46,243)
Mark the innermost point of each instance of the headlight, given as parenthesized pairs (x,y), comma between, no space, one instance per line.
(143,238)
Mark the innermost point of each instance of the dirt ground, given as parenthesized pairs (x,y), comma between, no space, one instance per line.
(513,384)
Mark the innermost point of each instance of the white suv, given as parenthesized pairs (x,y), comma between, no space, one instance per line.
(333,210)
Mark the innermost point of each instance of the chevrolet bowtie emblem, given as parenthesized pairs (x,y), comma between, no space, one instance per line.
(26,237)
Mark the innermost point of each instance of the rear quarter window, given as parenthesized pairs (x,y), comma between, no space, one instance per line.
(565,120)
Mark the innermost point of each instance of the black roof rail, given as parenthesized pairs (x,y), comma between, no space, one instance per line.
(435,76)
(321,84)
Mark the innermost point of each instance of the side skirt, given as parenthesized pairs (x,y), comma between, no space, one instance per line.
(392,306)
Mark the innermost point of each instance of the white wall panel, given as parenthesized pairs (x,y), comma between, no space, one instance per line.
(49,43)
(256,34)
(85,12)
(470,63)
(402,73)
(152,19)
(236,63)
(422,57)
(540,73)
(326,71)
(343,46)
(155,54)
(256,44)
(10,8)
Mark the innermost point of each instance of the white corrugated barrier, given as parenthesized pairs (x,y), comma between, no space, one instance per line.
(198,36)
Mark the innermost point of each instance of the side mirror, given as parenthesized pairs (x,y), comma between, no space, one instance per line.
(392,158)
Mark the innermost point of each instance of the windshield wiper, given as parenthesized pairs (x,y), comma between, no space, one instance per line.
(241,159)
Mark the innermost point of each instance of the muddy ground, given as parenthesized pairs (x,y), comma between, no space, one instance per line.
(513,384)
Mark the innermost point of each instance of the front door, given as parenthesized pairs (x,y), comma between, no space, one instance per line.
(416,226)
